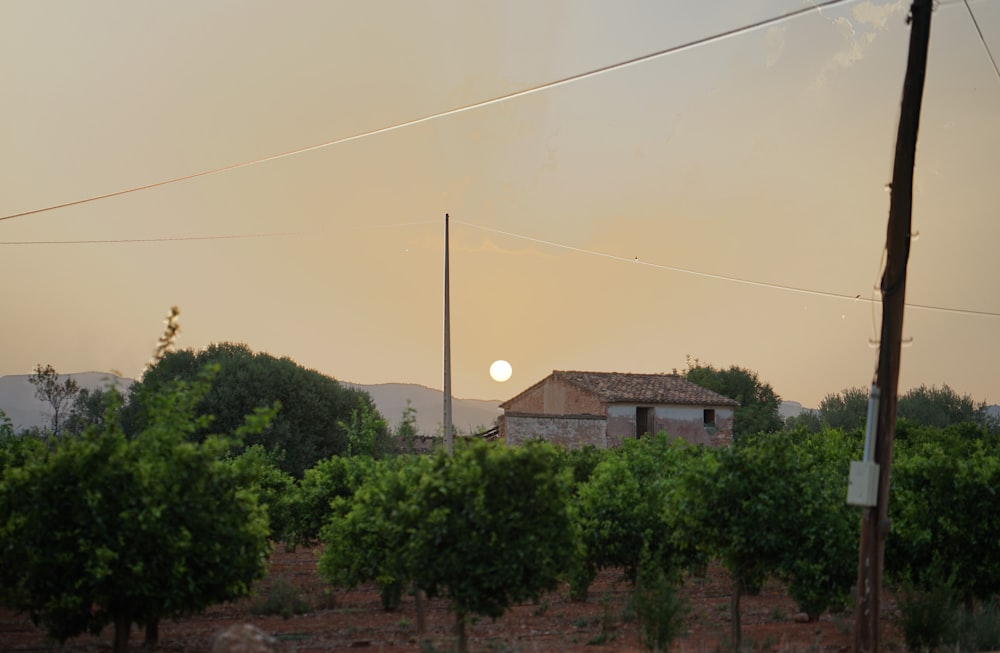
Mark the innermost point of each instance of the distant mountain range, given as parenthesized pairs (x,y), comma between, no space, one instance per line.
(17,399)
(467,415)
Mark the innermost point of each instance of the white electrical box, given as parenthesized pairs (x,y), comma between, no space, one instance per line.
(862,484)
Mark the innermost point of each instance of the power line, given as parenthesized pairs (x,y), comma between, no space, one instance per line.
(119,241)
(722,277)
(169,239)
(983,40)
(736,31)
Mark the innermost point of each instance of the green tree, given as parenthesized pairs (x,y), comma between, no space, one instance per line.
(407,432)
(773,504)
(106,529)
(314,407)
(807,421)
(940,407)
(6,427)
(759,404)
(845,410)
(367,535)
(337,477)
(16,448)
(57,394)
(277,491)
(89,408)
(819,563)
(945,525)
(624,512)
(486,527)
(368,434)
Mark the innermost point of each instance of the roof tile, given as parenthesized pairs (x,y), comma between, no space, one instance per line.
(619,387)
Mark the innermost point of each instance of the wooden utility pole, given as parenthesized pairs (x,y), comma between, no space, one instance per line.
(875,520)
(448,442)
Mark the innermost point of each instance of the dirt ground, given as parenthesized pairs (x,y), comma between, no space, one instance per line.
(352,620)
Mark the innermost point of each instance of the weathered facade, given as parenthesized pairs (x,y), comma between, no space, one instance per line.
(575,409)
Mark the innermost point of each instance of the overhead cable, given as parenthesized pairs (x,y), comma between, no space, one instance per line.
(722,277)
(451,112)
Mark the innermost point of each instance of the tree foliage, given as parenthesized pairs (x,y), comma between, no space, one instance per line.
(315,408)
(57,394)
(486,527)
(946,525)
(330,480)
(845,410)
(105,529)
(625,510)
(773,505)
(89,408)
(940,407)
(759,404)
(368,434)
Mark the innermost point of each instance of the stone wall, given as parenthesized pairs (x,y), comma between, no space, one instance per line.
(570,431)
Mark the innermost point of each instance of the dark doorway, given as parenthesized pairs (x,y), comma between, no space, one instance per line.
(644,420)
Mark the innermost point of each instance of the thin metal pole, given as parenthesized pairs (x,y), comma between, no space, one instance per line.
(449,444)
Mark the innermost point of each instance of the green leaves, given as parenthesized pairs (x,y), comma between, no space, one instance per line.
(774,505)
(486,527)
(314,415)
(103,528)
(943,505)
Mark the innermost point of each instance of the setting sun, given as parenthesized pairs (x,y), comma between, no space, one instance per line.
(500,370)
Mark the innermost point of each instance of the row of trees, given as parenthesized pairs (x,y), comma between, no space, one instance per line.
(106,529)
(759,409)
(772,505)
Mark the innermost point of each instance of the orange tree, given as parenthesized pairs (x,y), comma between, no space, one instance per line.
(337,477)
(773,504)
(945,522)
(486,527)
(624,511)
(104,529)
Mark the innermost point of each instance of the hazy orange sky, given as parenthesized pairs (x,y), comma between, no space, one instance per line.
(591,222)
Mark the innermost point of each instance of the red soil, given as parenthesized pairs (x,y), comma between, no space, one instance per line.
(350,620)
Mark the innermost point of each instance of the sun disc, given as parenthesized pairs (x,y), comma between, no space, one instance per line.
(500,370)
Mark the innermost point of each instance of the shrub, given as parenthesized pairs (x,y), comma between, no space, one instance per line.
(660,610)
(928,618)
(282,597)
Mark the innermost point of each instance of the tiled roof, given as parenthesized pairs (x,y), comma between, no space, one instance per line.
(618,387)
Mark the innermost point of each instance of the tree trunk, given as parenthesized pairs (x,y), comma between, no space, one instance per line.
(462,642)
(152,633)
(421,597)
(736,633)
(123,627)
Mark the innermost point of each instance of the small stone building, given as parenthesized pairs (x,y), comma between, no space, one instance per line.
(574,409)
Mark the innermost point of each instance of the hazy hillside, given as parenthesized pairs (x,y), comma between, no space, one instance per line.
(17,395)
(466,414)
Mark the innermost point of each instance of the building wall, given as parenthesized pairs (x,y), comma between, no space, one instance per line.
(687,422)
(556,397)
(570,431)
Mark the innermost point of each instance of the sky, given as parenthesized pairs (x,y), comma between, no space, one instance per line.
(725,201)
